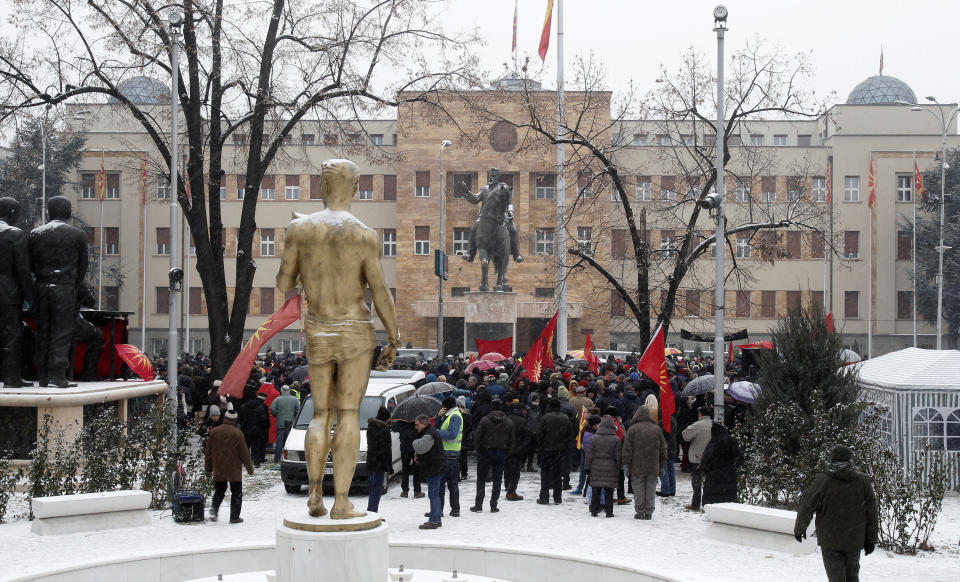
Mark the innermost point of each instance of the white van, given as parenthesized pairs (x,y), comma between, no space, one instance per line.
(388,389)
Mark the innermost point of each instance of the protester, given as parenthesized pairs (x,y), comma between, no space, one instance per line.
(494,437)
(602,464)
(645,455)
(698,435)
(431,460)
(408,434)
(668,479)
(284,410)
(554,436)
(450,421)
(522,443)
(719,466)
(225,456)
(379,455)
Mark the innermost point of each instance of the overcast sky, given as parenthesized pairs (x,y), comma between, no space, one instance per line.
(634,37)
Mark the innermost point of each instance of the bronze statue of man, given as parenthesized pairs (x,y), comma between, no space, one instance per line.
(336,258)
(15,287)
(493,182)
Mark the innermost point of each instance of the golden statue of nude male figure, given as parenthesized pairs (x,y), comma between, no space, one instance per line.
(336,258)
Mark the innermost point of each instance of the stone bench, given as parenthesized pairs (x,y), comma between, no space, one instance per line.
(64,514)
(751,525)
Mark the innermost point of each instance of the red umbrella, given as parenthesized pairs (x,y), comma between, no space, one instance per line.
(763,345)
(481,365)
(137,360)
(493,357)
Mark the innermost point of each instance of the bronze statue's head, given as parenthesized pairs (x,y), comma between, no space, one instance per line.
(59,208)
(340,179)
(493,176)
(9,210)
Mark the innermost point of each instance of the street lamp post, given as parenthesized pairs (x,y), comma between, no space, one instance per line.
(944,126)
(175,274)
(43,178)
(720,27)
(442,256)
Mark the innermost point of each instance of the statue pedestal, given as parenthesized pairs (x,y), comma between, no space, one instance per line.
(320,549)
(488,315)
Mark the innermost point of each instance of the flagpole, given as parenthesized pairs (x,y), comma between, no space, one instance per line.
(872,187)
(913,253)
(143,260)
(561,195)
(103,189)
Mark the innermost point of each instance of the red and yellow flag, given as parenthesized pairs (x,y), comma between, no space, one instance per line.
(872,187)
(103,178)
(516,8)
(918,183)
(547,336)
(829,180)
(653,363)
(236,377)
(593,361)
(545,34)
(138,362)
(533,361)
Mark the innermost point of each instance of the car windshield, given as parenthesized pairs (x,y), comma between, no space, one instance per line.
(368,409)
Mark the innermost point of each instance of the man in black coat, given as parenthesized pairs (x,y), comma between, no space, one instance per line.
(255,422)
(408,434)
(493,439)
(554,436)
(522,437)
(379,455)
(58,260)
(15,287)
(433,463)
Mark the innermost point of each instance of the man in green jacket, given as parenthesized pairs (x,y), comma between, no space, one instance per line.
(847,516)
(284,410)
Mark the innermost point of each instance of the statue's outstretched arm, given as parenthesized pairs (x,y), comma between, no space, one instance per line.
(474,198)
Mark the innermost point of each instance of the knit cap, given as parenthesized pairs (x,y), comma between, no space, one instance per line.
(214,410)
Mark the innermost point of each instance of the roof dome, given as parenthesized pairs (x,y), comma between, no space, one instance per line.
(143,90)
(881,90)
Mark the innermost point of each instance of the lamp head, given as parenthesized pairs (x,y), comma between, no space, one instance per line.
(916,108)
(175,19)
(930,98)
(720,14)
(446,143)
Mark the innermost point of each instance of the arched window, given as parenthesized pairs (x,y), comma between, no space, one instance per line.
(928,427)
(953,431)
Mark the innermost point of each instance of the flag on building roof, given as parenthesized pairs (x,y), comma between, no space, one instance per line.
(918,183)
(103,178)
(872,187)
(545,34)
(829,180)
(516,8)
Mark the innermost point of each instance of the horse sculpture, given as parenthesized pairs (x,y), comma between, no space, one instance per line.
(493,240)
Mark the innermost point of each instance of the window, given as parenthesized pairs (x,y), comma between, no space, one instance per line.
(663,140)
(111,240)
(817,245)
(390,187)
(818,189)
(421,240)
(389,242)
(618,307)
(365,187)
(953,431)
(614,194)
(113,186)
(543,292)
(779,140)
(267,243)
(692,303)
(584,185)
(376,139)
(163,187)
(546,186)
(163,241)
(291,345)
(743,246)
(742,192)
(223,189)
(461,241)
(163,294)
(668,242)
(668,185)
(241,186)
(460,184)
(851,189)
(618,243)
(851,304)
(686,139)
(851,244)
(544,241)
(794,187)
(803,140)
(767,244)
(904,188)
(904,304)
(422,184)
(267,193)
(159,347)
(639,139)
(111,298)
(735,140)
(330,139)
(743,303)
(816,298)
(693,189)
(768,304)
(266,300)
(793,300)
(710,140)
(316,187)
(928,427)
(291,189)
(768,189)
(643,188)
(458,291)
(904,245)
(756,139)
(307,139)
(585,239)
(354,138)
(239,139)
(288,140)
(793,244)
(195,300)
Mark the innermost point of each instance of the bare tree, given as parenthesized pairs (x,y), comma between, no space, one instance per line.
(255,69)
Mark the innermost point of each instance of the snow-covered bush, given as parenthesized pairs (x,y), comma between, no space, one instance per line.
(9,477)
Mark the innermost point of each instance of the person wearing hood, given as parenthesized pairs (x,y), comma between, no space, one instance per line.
(283,409)
(719,466)
(630,403)
(493,439)
(602,464)
(255,422)
(379,455)
(522,439)
(555,436)
(225,455)
(534,412)
(645,455)
(847,516)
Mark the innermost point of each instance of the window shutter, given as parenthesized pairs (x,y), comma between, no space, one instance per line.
(793,244)
(292,180)
(618,243)
(421,233)
(423,180)
(366,182)
(316,187)
(904,245)
(851,304)
(266,300)
(816,245)
(268,181)
(163,236)
(851,243)
(390,187)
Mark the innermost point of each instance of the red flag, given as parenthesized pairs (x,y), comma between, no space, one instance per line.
(730,353)
(546,337)
(829,180)
(503,346)
(653,364)
(872,186)
(533,361)
(593,362)
(236,376)
(545,34)
(918,183)
(515,10)
(829,321)
(103,178)
(138,362)
(473,358)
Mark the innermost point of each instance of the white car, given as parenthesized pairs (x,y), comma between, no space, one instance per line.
(388,389)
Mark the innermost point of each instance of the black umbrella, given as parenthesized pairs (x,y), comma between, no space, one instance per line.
(299,374)
(432,388)
(699,385)
(413,407)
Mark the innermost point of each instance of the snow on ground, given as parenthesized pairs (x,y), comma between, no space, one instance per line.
(673,543)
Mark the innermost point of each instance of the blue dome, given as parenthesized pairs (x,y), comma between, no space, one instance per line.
(143,91)
(881,90)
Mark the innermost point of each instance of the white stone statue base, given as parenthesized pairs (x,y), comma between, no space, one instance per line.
(334,555)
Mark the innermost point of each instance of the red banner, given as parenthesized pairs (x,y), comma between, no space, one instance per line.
(533,361)
(236,377)
(502,346)
(653,364)
(593,362)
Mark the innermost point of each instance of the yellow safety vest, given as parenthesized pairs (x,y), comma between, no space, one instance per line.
(453,445)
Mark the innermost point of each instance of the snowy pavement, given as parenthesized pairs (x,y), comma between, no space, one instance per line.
(673,543)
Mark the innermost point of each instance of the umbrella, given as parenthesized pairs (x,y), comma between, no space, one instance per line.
(493,357)
(578,354)
(137,360)
(849,356)
(698,386)
(413,407)
(671,352)
(762,345)
(574,362)
(744,391)
(432,388)
(481,365)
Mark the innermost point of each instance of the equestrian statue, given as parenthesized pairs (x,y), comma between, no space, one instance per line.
(493,235)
